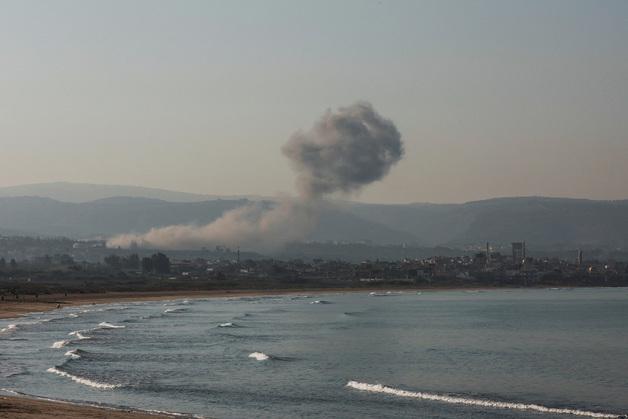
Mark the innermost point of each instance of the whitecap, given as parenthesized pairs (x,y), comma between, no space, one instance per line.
(9,328)
(259,356)
(444,398)
(79,334)
(106,325)
(175,310)
(73,354)
(59,344)
(84,381)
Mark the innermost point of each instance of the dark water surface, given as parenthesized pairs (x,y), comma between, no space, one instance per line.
(449,354)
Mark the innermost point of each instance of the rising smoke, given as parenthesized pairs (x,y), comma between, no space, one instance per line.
(344,151)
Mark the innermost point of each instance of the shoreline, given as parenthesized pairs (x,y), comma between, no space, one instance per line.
(17,309)
(11,309)
(33,407)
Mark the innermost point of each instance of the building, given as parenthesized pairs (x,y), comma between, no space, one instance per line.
(518,253)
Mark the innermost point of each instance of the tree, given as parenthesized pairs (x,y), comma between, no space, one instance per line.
(131,262)
(147,265)
(65,259)
(161,263)
(13,264)
(113,261)
(3,263)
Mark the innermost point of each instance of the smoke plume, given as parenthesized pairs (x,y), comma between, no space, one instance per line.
(343,152)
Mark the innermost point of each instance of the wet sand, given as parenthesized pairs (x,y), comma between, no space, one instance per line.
(28,408)
(12,308)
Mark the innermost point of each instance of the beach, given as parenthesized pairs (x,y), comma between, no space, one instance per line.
(14,407)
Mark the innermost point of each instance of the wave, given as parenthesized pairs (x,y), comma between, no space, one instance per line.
(9,328)
(84,381)
(378,388)
(105,325)
(321,302)
(384,294)
(175,310)
(259,356)
(79,334)
(59,344)
(74,354)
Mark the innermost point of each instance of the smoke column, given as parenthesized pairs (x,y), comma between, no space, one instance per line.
(343,152)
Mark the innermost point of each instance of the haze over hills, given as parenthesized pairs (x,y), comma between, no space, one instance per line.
(542,222)
(86,192)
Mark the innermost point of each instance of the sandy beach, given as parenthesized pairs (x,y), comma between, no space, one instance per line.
(30,408)
(28,304)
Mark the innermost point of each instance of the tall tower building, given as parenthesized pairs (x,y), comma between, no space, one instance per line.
(518,252)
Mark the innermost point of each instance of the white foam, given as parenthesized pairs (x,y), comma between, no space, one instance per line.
(174,310)
(106,325)
(79,335)
(378,388)
(73,354)
(73,315)
(259,356)
(9,328)
(59,344)
(228,324)
(84,381)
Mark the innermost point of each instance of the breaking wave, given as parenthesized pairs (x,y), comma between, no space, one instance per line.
(175,310)
(74,354)
(259,356)
(84,381)
(384,294)
(378,388)
(105,325)
(79,334)
(320,302)
(59,344)
(9,328)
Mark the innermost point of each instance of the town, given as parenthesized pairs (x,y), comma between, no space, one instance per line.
(73,267)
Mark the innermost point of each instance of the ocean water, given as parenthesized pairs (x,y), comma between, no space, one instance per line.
(537,353)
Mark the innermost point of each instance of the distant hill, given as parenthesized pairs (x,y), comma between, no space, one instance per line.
(86,192)
(110,216)
(550,223)
(547,222)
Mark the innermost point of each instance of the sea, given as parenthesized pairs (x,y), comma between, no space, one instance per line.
(503,353)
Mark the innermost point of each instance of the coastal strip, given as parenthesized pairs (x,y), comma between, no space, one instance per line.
(17,407)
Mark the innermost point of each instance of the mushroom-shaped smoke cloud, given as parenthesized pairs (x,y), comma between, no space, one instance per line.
(344,151)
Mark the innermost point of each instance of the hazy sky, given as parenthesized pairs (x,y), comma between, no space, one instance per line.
(493,98)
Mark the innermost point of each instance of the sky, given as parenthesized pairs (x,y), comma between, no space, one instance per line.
(492,98)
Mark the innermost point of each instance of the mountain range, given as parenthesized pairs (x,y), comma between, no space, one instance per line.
(89,211)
